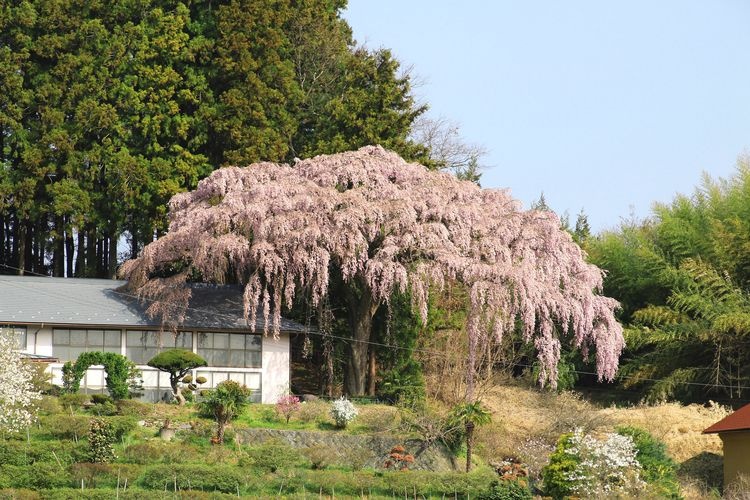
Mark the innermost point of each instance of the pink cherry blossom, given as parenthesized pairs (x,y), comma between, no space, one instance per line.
(391,226)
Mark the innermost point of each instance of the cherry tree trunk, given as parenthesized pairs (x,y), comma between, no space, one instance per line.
(362,309)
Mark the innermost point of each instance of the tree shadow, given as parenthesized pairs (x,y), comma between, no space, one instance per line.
(705,468)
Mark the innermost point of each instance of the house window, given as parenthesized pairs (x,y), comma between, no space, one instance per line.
(237,350)
(251,380)
(18,331)
(68,344)
(141,346)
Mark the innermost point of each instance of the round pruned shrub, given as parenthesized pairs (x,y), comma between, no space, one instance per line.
(225,403)
(178,363)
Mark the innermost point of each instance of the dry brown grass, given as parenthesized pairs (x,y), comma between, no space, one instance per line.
(521,413)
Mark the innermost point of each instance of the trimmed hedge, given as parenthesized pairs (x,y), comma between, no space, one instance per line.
(192,477)
(21,453)
(100,494)
(77,426)
(38,476)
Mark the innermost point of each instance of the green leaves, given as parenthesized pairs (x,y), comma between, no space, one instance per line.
(683,280)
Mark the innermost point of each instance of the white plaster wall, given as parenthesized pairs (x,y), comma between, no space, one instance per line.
(39,340)
(275,367)
(274,373)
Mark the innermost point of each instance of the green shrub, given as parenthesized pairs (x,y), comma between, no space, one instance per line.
(403,384)
(320,455)
(101,438)
(657,468)
(100,399)
(38,476)
(99,475)
(380,418)
(49,405)
(117,367)
(157,451)
(66,426)
(20,494)
(121,426)
(104,494)
(73,401)
(133,408)
(28,453)
(191,477)
(225,403)
(508,490)
(272,456)
(104,409)
(588,466)
(561,465)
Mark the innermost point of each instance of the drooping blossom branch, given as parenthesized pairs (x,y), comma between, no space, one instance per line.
(388,225)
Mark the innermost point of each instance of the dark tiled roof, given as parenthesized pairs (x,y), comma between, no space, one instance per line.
(76,301)
(737,421)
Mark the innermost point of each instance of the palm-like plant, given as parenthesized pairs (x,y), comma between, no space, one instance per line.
(470,415)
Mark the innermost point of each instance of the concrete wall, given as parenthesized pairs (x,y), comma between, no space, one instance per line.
(276,367)
(272,378)
(736,455)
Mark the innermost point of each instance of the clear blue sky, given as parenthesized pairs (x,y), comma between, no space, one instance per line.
(606,106)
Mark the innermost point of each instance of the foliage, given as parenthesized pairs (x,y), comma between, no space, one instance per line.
(43,451)
(320,455)
(118,368)
(657,468)
(17,393)
(682,277)
(101,438)
(76,427)
(583,465)
(178,363)
(73,401)
(342,412)
(389,226)
(191,476)
(271,456)
(38,476)
(41,380)
(103,475)
(469,415)
(508,490)
(107,111)
(287,406)
(401,380)
(403,385)
(225,403)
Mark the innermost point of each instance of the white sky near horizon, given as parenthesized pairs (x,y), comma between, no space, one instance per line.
(603,106)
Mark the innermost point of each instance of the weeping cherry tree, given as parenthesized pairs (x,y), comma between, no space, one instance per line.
(375,224)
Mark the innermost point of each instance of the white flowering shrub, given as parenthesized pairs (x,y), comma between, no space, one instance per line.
(587,467)
(17,394)
(343,412)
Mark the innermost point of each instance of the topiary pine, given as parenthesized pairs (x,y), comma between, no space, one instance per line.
(176,362)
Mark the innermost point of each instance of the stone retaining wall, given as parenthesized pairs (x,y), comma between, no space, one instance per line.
(434,458)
